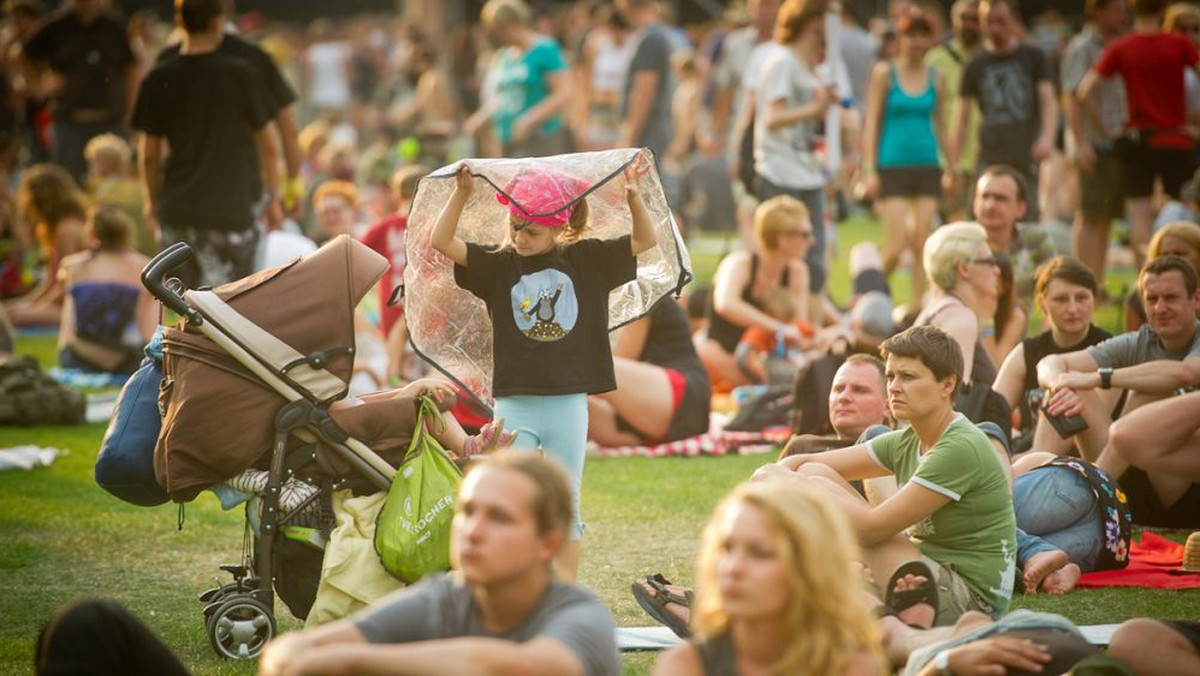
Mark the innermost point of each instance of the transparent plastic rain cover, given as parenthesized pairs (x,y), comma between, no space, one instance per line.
(450,327)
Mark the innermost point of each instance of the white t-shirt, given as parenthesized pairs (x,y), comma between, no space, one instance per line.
(329,84)
(785,155)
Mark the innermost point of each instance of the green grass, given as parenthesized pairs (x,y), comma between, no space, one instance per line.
(63,537)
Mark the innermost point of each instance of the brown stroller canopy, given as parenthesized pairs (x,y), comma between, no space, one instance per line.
(218,416)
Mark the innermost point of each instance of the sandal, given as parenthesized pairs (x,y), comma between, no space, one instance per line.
(895,602)
(656,605)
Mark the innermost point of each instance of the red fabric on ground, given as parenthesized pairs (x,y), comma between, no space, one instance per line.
(1150,563)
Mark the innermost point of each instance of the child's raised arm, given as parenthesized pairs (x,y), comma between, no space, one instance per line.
(643,236)
(443,237)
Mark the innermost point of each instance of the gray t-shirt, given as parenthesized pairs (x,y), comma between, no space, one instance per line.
(785,156)
(1138,347)
(654,54)
(1005,87)
(1082,53)
(441,607)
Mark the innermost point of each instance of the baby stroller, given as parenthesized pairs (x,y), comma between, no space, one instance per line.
(252,375)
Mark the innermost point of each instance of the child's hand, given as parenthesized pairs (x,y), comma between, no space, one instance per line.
(633,175)
(463,180)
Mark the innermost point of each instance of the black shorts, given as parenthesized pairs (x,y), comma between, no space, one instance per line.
(910,182)
(1143,164)
(1101,191)
(691,415)
(1148,510)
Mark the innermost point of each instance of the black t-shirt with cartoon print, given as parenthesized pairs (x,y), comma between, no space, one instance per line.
(549,314)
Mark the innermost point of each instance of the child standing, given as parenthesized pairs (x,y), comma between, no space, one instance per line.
(547,293)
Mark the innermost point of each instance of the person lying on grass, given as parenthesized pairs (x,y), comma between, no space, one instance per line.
(1035,642)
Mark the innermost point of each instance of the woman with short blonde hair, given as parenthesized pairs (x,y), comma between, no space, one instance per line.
(505,13)
(775,217)
(784,231)
(777,591)
(964,279)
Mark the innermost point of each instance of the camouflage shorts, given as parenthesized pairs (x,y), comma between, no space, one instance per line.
(217,257)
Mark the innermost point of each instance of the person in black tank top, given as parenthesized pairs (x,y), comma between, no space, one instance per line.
(1065,292)
(773,554)
(784,233)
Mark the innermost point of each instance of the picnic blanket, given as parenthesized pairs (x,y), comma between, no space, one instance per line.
(715,441)
(1153,562)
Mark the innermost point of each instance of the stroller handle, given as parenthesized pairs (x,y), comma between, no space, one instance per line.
(152,277)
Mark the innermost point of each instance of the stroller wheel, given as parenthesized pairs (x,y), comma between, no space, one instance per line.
(240,627)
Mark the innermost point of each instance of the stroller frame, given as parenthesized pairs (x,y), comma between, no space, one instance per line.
(239,616)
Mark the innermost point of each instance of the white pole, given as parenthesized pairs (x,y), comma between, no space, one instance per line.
(833,66)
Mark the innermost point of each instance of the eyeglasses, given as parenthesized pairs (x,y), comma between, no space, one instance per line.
(990,260)
(804,234)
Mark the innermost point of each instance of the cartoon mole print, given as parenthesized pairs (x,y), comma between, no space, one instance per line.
(544,305)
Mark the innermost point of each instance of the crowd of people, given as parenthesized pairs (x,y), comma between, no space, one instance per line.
(948,458)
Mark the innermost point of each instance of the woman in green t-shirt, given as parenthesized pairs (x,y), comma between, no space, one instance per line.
(946,538)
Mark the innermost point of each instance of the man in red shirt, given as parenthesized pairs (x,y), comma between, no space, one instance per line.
(1156,143)
(386,237)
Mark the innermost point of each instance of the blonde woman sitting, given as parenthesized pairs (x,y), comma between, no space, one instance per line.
(964,280)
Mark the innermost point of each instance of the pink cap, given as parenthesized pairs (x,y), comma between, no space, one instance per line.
(541,196)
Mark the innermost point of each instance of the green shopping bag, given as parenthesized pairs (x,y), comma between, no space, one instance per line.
(412,533)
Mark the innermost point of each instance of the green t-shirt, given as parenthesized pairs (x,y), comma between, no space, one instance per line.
(521,84)
(976,530)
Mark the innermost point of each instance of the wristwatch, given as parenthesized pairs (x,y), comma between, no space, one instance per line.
(1105,377)
(941,662)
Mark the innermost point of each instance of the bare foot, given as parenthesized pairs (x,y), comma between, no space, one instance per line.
(1062,580)
(679,610)
(1039,566)
(918,614)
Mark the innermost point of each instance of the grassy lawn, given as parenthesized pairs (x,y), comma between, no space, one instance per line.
(63,537)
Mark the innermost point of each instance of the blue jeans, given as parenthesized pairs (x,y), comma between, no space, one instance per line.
(814,199)
(1056,509)
(558,426)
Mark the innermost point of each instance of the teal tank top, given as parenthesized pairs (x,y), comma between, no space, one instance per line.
(907,139)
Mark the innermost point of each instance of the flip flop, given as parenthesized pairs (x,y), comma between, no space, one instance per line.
(896,601)
(656,605)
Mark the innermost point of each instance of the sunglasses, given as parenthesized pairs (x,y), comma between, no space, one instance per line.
(991,260)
